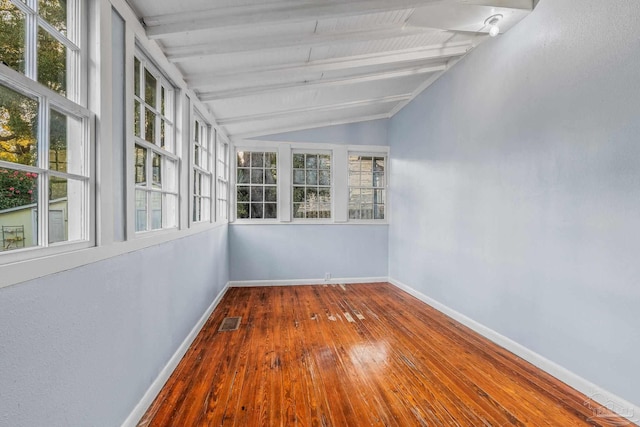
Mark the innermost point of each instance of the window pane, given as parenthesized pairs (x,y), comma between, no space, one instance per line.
(66,209)
(270,176)
(12,33)
(271,162)
(257,194)
(18,127)
(312,177)
(163,140)
(196,209)
(140,157)
(150,88)
(156,210)
(141,210)
(171,214)
(325,178)
(136,119)
(170,174)
(270,210)
(52,62)
(156,171)
(18,209)
(325,161)
(243,194)
(150,126)
(270,194)
(243,159)
(298,177)
(311,161)
(55,13)
(242,210)
(163,100)
(298,161)
(298,210)
(257,210)
(66,151)
(298,194)
(243,176)
(136,76)
(257,176)
(378,212)
(257,160)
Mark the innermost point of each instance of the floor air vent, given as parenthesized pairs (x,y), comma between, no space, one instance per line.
(229,324)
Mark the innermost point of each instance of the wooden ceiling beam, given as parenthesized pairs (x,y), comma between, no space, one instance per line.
(258,44)
(319,84)
(239,78)
(278,13)
(313,109)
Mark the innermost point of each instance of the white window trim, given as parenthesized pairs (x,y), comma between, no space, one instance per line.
(208,171)
(279,192)
(174,101)
(339,172)
(385,187)
(225,162)
(48,99)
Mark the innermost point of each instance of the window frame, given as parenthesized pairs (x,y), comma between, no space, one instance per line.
(223,172)
(384,187)
(277,185)
(169,188)
(72,104)
(339,180)
(199,124)
(318,152)
(50,100)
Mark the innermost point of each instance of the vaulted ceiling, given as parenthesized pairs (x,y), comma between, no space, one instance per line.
(270,66)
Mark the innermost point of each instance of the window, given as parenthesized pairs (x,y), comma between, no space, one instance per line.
(45,168)
(155,161)
(367,189)
(257,191)
(202,176)
(41,39)
(312,185)
(223,178)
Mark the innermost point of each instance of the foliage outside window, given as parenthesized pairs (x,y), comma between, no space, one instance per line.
(367,193)
(223,178)
(257,191)
(311,185)
(202,175)
(155,161)
(44,138)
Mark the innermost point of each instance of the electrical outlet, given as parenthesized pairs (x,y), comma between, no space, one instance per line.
(327,276)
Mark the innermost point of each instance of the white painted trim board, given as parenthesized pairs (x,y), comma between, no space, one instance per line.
(155,387)
(289,282)
(597,393)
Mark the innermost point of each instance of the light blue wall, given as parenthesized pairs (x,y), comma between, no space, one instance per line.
(80,348)
(295,251)
(373,132)
(516,181)
(281,252)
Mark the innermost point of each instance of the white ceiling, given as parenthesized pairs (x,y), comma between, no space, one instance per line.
(270,66)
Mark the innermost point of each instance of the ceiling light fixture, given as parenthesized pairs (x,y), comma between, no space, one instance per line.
(492,22)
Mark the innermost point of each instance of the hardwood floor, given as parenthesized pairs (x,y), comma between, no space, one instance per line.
(356,355)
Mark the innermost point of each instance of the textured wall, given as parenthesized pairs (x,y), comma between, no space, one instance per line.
(516,188)
(281,252)
(80,348)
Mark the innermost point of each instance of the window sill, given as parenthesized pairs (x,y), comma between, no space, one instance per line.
(34,268)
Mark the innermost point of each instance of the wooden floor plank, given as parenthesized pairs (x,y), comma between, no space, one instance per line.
(356,355)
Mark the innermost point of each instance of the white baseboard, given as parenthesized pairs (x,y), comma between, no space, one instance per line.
(605,398)
(247,283)
(155,387)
